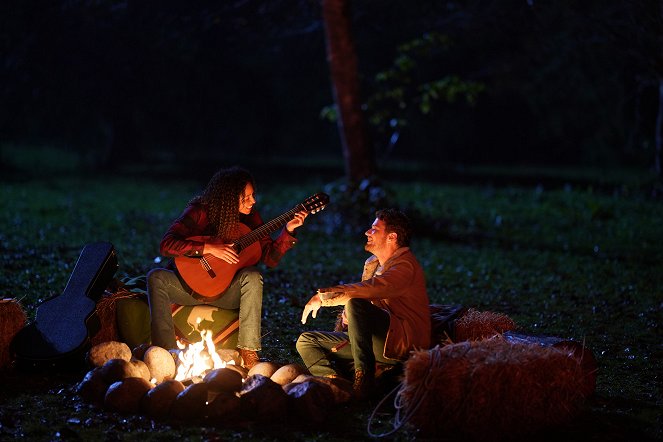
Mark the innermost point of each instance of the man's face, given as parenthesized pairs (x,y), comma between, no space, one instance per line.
(247,200)
(376,236)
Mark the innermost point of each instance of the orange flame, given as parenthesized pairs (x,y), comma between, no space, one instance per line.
(195,360)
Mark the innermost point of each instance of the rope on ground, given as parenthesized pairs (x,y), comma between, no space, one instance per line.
(404,413)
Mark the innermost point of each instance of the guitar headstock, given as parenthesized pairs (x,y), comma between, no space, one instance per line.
(316,203)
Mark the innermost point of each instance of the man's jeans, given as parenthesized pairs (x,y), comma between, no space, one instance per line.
(244,293)
(367,331)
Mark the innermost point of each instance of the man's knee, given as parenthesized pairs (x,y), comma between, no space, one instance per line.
(356,306)
(304,340)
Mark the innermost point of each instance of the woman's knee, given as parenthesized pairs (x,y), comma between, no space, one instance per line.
(158,283)
(154,279)
(251,275)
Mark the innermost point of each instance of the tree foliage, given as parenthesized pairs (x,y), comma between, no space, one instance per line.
(561,82)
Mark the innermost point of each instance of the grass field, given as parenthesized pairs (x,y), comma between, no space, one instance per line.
(569,261)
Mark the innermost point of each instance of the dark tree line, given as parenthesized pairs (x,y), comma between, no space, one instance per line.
(516,81)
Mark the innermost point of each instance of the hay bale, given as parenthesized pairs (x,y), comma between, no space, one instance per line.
(12,319)
(474,325)
(491,388)
(106,312)
(583,355)
(442,320)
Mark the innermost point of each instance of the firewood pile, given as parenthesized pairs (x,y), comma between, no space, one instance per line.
(142,381)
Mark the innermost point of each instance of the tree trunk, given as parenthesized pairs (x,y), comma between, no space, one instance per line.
(342,58)
(659,129)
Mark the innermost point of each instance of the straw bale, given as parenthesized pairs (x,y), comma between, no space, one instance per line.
(12,320)
(475,325)
(491,388)
(582,354)
(106,312)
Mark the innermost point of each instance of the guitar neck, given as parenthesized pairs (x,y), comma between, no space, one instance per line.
(266,229)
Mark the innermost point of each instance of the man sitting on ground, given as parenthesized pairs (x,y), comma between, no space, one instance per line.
(387,313)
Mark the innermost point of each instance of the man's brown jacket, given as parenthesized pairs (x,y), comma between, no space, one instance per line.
(399,287)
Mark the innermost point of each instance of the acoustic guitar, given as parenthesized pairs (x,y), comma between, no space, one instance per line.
(208,275)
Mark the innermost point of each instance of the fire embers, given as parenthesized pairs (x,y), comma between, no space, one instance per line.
(229,396)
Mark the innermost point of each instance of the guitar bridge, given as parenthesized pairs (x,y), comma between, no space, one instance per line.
(207,267)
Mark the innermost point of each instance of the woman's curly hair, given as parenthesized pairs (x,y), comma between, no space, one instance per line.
(221,198)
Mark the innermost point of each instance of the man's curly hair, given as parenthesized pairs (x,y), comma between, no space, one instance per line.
(396,221)
(221,198)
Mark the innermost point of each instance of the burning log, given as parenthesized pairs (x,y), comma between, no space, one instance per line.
(126,395)
(158,401)
(12,319)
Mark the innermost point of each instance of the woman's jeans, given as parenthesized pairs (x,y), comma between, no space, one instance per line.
(244,293)
(363,343)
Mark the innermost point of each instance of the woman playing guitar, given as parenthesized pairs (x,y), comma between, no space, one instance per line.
(216,243)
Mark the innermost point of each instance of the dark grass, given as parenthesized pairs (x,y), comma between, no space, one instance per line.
(569,261)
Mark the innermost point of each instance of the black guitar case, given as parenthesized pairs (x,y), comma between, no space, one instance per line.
(59,337)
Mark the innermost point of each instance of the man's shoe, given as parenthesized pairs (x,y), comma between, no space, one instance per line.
(363,385)
(249,358)
(387,377)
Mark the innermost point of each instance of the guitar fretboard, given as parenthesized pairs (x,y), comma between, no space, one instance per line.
(267,228)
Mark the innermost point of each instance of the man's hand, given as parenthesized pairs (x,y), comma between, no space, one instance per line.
(297,221)
(312,306)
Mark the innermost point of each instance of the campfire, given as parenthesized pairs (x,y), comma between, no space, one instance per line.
(197,359)
(197,382)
